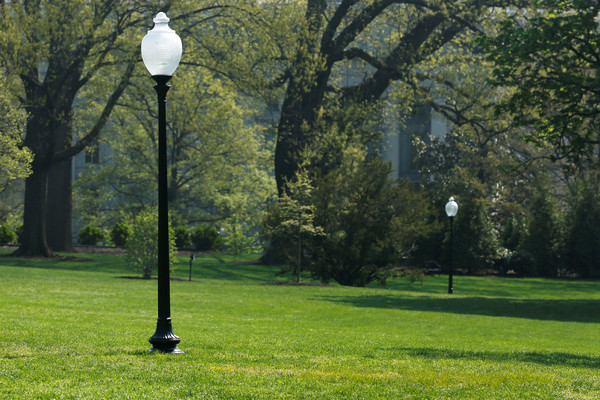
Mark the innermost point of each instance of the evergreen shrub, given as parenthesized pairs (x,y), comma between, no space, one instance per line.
(90,235)
(206,238)
(119,233)
(182,237)
(7,236)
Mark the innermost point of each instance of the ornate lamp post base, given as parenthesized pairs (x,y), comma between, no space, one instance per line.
(164,340)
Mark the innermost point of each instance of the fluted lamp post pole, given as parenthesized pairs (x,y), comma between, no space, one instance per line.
(451,210)
(161,52)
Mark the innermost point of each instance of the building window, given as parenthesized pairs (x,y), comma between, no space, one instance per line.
(418,124)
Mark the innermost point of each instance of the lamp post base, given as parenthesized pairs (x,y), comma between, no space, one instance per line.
(164,340)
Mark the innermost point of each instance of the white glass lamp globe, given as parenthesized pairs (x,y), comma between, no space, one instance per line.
(451,207)
(161,48)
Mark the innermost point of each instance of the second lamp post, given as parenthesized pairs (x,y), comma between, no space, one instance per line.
(451,210)
(161,52)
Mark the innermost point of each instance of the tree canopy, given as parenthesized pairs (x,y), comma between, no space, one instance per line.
(219,158)
(14,158)
(548,58)
(350,53)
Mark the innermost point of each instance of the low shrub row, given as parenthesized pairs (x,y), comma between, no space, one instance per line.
(200,238)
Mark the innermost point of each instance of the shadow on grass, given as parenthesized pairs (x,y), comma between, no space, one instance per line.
(549,359)
(211,266)
(549,310)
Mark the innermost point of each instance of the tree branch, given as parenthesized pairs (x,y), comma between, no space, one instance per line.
(101,122)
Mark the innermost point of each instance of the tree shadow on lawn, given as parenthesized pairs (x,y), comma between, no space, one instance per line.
(542,358)
(547,310)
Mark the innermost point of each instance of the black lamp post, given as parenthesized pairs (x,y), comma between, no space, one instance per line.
(161,51)
(451,210)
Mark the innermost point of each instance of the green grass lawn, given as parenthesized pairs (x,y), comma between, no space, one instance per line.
(78,330)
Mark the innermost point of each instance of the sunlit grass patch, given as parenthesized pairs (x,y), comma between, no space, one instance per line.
(80,331)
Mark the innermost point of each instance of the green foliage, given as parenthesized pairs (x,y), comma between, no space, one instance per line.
(475,243)
(546,58)
(19,233)
(206,238)
(582,236)
(14,158)
(514,231)
(239,239)
(357,224)
(119,233)
(394,50)
(90,235)
(142,243)
(544,232)
(7,236)
(219,159)
(290,222)
(182,237)
(520,262)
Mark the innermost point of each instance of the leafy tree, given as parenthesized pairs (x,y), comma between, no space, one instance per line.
(482,160)
(387,44)
(476,245)
(547,59)
(53,49)
(239,238)
(218,161)
(63,56)
(582,236)
(15,159)
(142,243)
(543,234)
(357,225)
(291,221)
(182,237)
(514,231)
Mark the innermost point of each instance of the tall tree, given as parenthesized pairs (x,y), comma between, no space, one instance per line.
(59,50)
(56,48)
(14,158)
(549,57)
(218,158)
(383,41)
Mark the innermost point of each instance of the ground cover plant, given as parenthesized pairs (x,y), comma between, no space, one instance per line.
(77,329)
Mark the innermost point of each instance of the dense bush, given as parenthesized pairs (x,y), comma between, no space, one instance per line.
(119,233)
(7,235)
(476,247)
(518,262)
(90,235)
(238,239)
(142,243)
(582,237)
(514,231)
(206,238)
(363,223)
(182,237)
(543,237)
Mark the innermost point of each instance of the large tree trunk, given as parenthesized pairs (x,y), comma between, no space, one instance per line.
(47,211)
(33,242)
(59,203)
(59,207)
